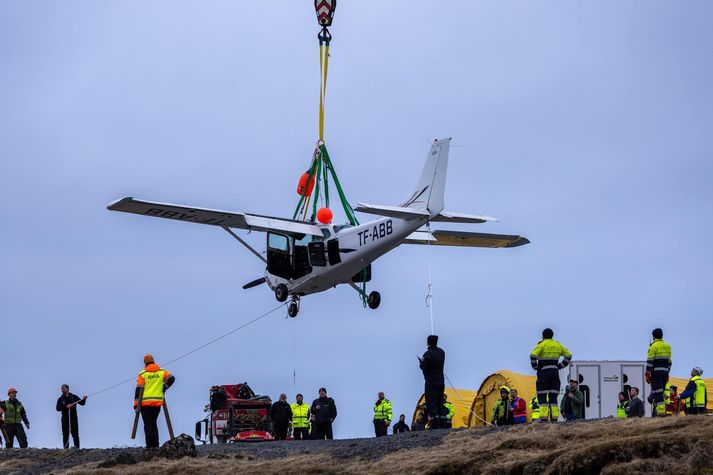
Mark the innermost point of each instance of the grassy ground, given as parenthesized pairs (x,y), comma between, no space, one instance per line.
(681,445)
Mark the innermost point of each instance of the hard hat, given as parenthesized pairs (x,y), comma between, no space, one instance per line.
(699,370)
(11,390)
(148,358)
(504,388)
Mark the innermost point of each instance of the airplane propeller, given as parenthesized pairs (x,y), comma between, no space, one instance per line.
(254,283)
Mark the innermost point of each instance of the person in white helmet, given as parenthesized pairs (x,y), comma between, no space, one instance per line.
(695,395)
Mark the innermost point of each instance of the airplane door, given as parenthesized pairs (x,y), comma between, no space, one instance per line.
(279,261)
(589,384)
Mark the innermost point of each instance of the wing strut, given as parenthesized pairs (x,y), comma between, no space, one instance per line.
(229,231)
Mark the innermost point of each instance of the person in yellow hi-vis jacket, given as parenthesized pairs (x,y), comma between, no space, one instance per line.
(154,381)
(383,413)
(545,359)
(300,419)
(658,365)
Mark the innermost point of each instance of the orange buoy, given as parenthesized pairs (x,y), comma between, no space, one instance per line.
(324,215)
(302,188)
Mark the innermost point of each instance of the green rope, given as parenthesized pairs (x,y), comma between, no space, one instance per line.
(326,184)
(348,210)
(321,172)
(316,190)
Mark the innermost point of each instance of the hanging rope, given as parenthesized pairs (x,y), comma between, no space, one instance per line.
(294,353)
(429,296)
(450,385)
(184,355)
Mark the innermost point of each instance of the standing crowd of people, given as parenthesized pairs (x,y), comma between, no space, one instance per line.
(315,421)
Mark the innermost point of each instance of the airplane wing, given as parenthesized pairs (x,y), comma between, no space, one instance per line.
(224,219)
(461,238)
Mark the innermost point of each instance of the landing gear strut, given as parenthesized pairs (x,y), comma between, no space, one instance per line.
(294,307)
(373,300)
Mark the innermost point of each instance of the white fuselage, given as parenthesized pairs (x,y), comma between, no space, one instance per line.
(359,246)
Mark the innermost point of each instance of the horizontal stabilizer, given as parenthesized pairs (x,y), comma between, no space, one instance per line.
(392,211)
(451,217)
(224,219)
(465,239)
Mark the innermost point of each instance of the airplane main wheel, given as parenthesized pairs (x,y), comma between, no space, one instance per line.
(293,309)
(373,300)
(281,292)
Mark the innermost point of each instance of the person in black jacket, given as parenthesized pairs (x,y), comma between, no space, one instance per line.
(67,405)
(401,426)
(636,405)
(323,411)
(434,384)
(280,415)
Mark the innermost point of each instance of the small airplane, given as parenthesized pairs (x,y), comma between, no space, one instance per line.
(304,258)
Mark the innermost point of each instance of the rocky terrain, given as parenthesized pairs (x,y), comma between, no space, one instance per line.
(680,444)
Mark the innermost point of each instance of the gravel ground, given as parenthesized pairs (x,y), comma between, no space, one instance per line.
(658,445)
(42,461)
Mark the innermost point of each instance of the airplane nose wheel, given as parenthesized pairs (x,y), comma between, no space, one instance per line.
(281,293)
(373,300)
(294,307)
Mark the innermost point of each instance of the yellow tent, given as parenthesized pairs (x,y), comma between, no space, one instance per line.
(489,392)
(462,400)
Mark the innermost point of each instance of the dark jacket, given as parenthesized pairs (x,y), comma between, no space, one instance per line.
(23,413)
(64,401)
(400,427)
(635,408)
(574,404)
(281,413)
(432,363)
(418,426)
(323,409)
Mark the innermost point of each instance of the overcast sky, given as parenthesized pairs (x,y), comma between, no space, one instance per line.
(584,126)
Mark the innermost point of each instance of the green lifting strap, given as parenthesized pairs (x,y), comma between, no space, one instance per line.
(348,210)
(320,171)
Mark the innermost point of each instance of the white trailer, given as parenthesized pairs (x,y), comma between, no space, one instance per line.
(601,382)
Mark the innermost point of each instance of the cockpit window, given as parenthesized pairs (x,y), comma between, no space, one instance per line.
(339,227)
(278,242)
(306,239)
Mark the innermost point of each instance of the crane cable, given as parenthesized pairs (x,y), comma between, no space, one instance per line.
(184,355)
(324,38)
(429,296)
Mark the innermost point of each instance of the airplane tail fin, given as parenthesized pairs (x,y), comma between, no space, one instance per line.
(429,192)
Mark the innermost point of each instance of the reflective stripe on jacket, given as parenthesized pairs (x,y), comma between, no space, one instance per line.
(300,415)
(658,357)
(534,407)
(545,356)
(519,409)
(383,410)
(152,380)
(700,397)
(14,412)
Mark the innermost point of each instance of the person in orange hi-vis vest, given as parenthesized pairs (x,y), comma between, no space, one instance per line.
(154,381)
